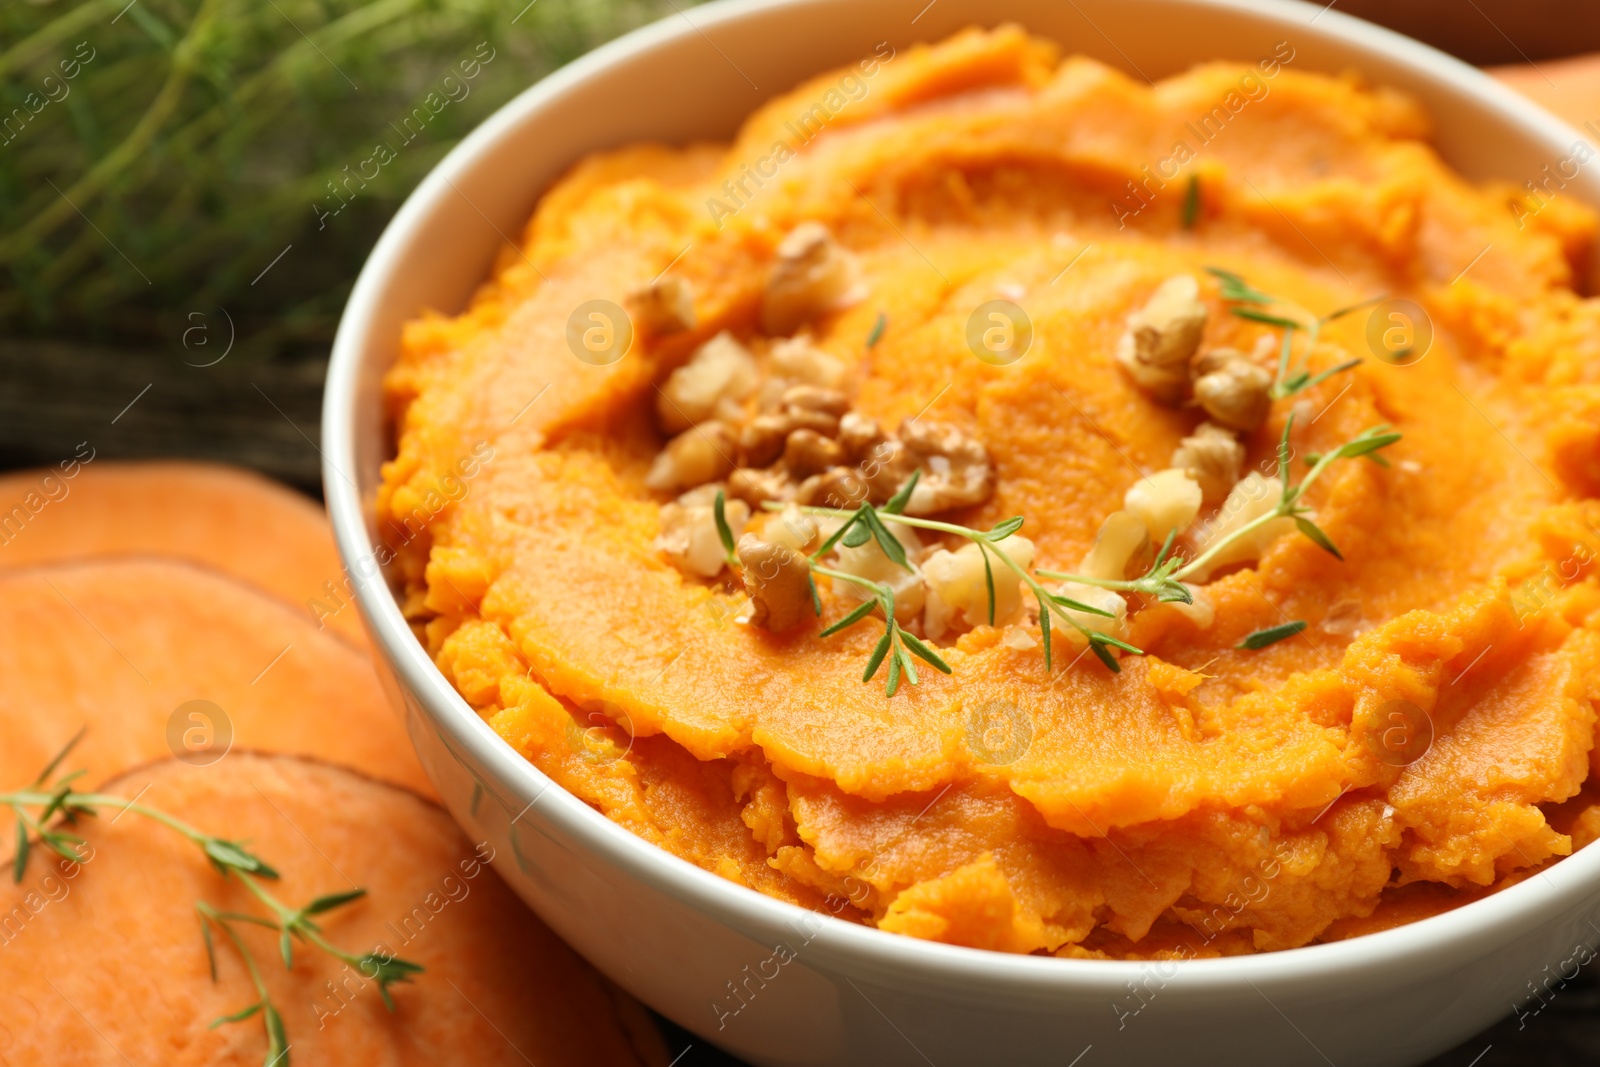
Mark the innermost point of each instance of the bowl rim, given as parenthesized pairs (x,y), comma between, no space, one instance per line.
(1552,892)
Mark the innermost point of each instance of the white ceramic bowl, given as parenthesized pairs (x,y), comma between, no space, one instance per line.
(682,939)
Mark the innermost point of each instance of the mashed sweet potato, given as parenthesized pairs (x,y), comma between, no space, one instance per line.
(1205,799)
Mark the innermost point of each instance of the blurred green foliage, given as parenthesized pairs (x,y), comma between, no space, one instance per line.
(156,156)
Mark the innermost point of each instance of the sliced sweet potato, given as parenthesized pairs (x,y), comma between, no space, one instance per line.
(226,518)
(102,963)
(118,646)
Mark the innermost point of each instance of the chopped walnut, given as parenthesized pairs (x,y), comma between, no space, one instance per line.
(813,275)
(1166,501)
(1161,338)
(815,398)
(791,528)
(838,487)
(662,307)
(703,453)
(713,383)
(764,437)
(778,581)
(756,486)
(857,435)
(1123,535)
(956,471)
(807,452)
(1233,391)
(798,360)
(1213,457)
(689,537)
(958,593)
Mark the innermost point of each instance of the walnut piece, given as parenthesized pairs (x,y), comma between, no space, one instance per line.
(837,487)
(1255,495)
(956,471)
(713,384)
(958,593)
(798,360)
(1123,535)
(1165,501)
(807,452)
(689,536)
(700,454)
(1233,391)
(1213,457)
(813,275)
(662,307)
(778,581)
(1161,338)
(756,486)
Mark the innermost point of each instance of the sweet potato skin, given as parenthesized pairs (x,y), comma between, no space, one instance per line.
(102,962)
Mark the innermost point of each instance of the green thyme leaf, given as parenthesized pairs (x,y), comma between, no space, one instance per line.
(876,659)
(1078,605)
(1369,441)
(277,1040)
(988,578)
(19,865)
(1283,456)
(211,949)
(1236,288)
(50,768)
(1191,202)
(1003,530)
(1315,533)
(1044,628)
(887,541)
(897,503)
(225,855)
(237,1017)
(1104,656)
(1099,638)
(724,532)
(916,645)
(331,901)
(1264,317)
(1272,635)
(861,611)
(877,331)
(816,597)
(893,684)
(1342,312)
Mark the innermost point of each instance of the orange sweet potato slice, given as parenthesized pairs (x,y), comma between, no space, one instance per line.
(120,646)
(102,963)
(226,518)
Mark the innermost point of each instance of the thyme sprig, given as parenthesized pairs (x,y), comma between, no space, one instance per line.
(1291,377)
(57,800)
(1166,578)
(868,522)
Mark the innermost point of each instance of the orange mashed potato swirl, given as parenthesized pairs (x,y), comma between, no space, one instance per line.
(1205,800)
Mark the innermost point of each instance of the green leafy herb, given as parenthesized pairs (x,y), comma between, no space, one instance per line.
(1191,202)
(1271,635)
(719,512)
(44,800)
(1290,380)
(1165,578)
(877,331)
(900,648)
